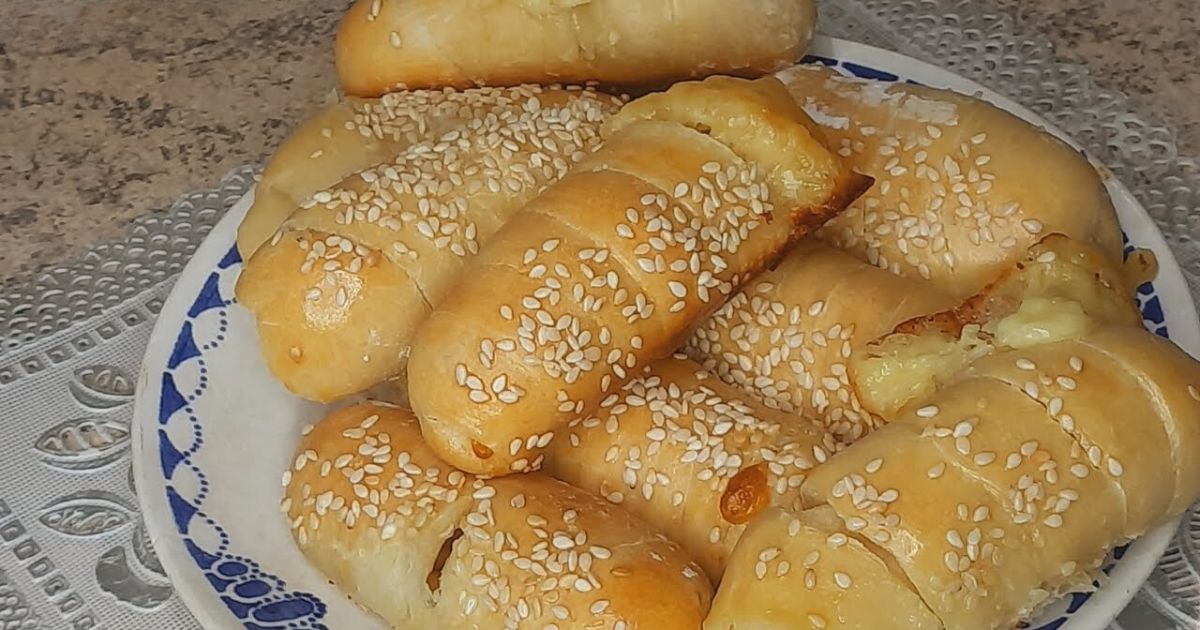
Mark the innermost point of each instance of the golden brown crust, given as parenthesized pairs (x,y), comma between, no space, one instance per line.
(385,44)
(357,133)
(1090,397)
(957,198)
(759,124)
(691,455)
(328,333)
(337,141)
(949,534)
(1170,378)
(1049,455)
(426,546)
(357,265)
(606,271)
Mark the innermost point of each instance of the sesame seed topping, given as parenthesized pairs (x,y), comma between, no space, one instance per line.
(927,411)
(842,580)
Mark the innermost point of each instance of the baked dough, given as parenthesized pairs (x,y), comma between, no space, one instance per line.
(426,546)
(962,187)
(386,44)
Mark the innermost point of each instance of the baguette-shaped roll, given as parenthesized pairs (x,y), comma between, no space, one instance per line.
(962,188)
(805,571)
(340,289)
(383,44)
(354,134)
(787,338)
(690,455)
(607,271)
(426,546)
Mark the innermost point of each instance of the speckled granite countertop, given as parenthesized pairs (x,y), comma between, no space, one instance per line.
(110,110)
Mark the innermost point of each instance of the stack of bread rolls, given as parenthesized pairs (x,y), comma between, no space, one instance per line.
(851,354)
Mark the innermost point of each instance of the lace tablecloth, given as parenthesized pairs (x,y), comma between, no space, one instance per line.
(73,551)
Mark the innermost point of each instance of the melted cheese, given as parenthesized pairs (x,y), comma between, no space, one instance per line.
(912,367)
(1043,320)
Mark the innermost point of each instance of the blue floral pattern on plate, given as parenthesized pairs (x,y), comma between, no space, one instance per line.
(260,600)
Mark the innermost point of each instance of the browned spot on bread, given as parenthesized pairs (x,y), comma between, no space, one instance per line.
(746,495)
(481,451)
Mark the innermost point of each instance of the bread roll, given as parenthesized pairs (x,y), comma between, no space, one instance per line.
(962,188)
(787,338)
(1058,448)
(383,44)
(690,455)
(352,135)
(426,546)
(609,268)
(1044,374)
(1045,395)
(793,571)
(338,292)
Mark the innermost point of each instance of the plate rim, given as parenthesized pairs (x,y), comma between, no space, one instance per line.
(154,500)
(203,604)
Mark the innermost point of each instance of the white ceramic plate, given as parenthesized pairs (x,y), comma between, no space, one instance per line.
(214,431)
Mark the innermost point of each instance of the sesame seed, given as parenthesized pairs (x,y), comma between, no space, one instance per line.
(1115,467)
(937,470)
(928,411)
